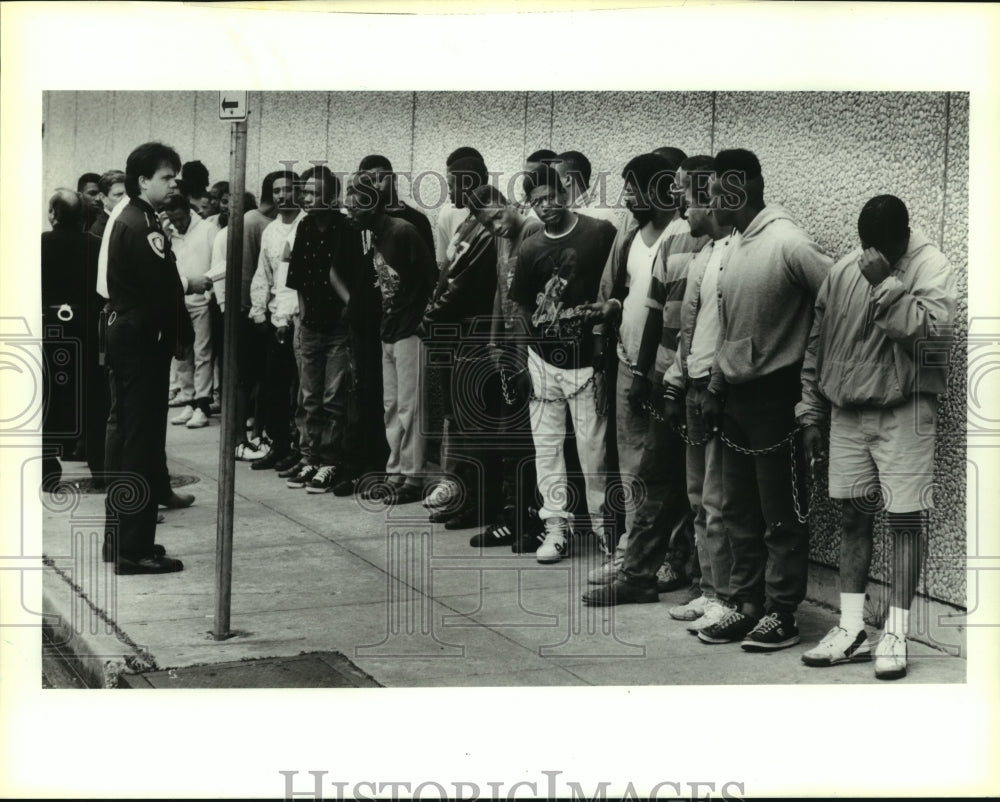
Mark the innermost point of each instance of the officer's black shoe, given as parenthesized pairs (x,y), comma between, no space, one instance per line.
(148,565)
(108,557)
(177,501)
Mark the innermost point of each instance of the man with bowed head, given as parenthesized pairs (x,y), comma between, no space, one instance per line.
(871,377)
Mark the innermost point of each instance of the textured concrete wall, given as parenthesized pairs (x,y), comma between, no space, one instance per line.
(823,155)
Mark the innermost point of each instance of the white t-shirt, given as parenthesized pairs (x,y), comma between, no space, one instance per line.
(705,340)
(102,256)
(634,310)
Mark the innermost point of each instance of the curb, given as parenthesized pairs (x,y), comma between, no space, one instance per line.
(85,636)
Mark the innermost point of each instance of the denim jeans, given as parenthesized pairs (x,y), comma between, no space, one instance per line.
(631,429)
(662,477)
(704,485)
(770,547)
(324,378)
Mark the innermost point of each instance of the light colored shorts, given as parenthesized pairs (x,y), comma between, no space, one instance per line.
(884,458)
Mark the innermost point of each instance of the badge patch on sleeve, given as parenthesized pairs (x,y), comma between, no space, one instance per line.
(156,242)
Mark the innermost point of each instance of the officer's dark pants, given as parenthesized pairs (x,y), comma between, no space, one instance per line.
(770,547)
(139,368)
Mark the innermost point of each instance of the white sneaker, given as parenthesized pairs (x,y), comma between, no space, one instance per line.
(690,611)
(714,612)
(890,657)
(839,646)
(183,416)
(556,543)
(607,571)
(253,450)
(198,420)
(444,494)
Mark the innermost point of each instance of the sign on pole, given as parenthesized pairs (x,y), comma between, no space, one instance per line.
(232,105)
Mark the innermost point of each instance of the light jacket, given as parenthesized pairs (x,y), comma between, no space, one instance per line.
(193,250)
(879,346)
(268,293)
(768,287)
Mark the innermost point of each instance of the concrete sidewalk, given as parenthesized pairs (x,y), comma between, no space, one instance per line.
(409,603)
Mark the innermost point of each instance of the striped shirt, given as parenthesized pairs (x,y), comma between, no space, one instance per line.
(666,287)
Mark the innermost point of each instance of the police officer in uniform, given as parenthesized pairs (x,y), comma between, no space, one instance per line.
(148,324)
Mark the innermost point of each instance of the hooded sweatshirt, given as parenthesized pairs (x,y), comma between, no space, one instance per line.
(767,289)
(867,342)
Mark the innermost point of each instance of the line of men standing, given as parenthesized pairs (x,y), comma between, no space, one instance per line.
(686,346)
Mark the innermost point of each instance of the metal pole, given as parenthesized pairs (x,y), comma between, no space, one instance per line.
(227,439)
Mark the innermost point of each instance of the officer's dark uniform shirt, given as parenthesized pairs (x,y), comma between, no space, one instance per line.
(143,279)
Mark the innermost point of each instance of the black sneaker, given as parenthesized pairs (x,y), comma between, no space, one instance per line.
(498,534)
(373,487)
(775,630)
(406,494)
(303,477)
(531,538)
(346,487)
(733,627)
(289,466)
(323,480)
(268,461)
(464,519)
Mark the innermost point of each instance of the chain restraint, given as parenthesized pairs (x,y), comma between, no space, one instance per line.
(509,399)
(788,439)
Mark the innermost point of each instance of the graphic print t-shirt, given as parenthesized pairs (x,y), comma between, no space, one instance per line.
(554,276)
(402,271)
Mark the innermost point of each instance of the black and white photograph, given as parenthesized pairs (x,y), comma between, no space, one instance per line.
(451,404)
